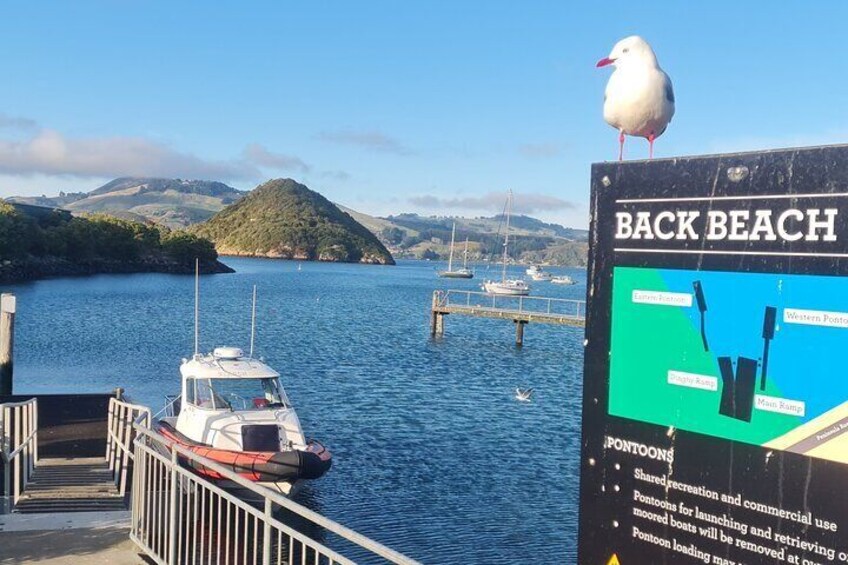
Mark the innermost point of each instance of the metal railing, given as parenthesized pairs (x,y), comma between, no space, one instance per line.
(120,437)
(18,447)
(538,305)
(179,517)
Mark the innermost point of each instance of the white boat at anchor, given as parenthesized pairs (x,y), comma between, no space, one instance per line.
(464,272)
(512,287)
(505,286)
(563,279)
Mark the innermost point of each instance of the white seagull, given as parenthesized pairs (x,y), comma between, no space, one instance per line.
(639,99)
(523,394)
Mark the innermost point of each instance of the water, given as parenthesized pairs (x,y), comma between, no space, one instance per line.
(433,456)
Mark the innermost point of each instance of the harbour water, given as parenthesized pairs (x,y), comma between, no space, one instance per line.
(433,456)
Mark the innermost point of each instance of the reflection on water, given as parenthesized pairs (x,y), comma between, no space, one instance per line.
(432,454)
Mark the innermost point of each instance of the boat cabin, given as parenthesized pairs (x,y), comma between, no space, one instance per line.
(230,401)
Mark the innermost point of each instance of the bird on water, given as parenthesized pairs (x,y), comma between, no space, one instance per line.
(639,98)
(523,394)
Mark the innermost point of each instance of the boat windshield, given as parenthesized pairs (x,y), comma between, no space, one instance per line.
(237,394)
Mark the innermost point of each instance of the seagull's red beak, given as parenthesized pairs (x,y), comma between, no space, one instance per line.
(605,61)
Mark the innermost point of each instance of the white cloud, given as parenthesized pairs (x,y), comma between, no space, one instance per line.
(540,150)
(14,122)
(260,156)
(48,152)
(523,203)
(373,140)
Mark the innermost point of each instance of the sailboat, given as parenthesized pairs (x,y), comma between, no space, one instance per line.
(512,287)
(464,272)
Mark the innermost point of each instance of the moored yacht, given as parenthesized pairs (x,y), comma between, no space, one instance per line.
(464,272)
(511,287)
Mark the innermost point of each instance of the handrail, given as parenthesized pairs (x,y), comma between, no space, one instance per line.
(18,446)
(270,497)
(463,298)
(119,438)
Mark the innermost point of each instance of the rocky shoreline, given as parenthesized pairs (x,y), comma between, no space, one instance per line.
(15,271)
(367,258)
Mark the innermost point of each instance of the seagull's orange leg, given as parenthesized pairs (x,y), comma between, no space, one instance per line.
(651,145)
(621,145)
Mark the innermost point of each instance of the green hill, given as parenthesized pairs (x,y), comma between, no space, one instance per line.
(37,242)
(174,203)
(284,219)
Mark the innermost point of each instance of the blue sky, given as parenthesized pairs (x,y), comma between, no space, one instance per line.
(434,107)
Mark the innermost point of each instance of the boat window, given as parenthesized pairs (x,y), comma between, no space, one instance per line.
(189,391)
(248,394)
(200,392)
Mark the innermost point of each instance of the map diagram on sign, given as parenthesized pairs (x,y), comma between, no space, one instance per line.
(749,357)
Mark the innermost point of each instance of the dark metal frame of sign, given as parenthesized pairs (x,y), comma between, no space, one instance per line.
(715,400)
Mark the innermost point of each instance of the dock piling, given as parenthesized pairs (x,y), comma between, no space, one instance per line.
(7,341)
(519,332)
(437,317)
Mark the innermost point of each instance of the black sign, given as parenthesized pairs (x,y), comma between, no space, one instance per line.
(715,407)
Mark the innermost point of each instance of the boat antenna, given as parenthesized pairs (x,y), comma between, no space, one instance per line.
(253,322)
(196,306)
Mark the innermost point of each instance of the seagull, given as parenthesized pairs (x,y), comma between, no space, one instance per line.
(639,99)
(523,395)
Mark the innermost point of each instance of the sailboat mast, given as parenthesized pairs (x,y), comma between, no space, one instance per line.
(465,256)
(506,233)
(450,257)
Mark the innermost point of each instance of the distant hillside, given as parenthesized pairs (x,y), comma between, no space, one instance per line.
(285,219)
(174,203)
(38,242)
(531,240)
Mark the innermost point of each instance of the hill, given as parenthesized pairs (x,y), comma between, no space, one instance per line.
(284,219)
(531,240)
(175,203)
(37,242)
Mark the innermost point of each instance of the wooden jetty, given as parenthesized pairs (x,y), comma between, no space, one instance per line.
(521,310)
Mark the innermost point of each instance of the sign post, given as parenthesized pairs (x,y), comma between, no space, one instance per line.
(715,408)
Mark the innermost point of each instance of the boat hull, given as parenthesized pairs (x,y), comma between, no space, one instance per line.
(505,290)
(455,275)
(260,467)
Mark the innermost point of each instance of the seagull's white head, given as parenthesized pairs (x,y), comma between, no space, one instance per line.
(629,51)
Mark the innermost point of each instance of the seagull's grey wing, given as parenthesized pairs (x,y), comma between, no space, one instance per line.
(669,90)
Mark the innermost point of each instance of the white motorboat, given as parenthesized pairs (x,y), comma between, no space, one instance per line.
(464,272)
(233,410)
(541,276)
(532,270)
(510,287)
(563,279)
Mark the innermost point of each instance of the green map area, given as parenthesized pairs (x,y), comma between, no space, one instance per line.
(649,340)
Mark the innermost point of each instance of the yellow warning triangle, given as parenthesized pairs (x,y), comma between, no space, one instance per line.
(613,560)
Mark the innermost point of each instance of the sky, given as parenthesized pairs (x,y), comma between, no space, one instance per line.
(433,107)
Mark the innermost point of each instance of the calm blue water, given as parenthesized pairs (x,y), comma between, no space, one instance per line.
(433,455)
